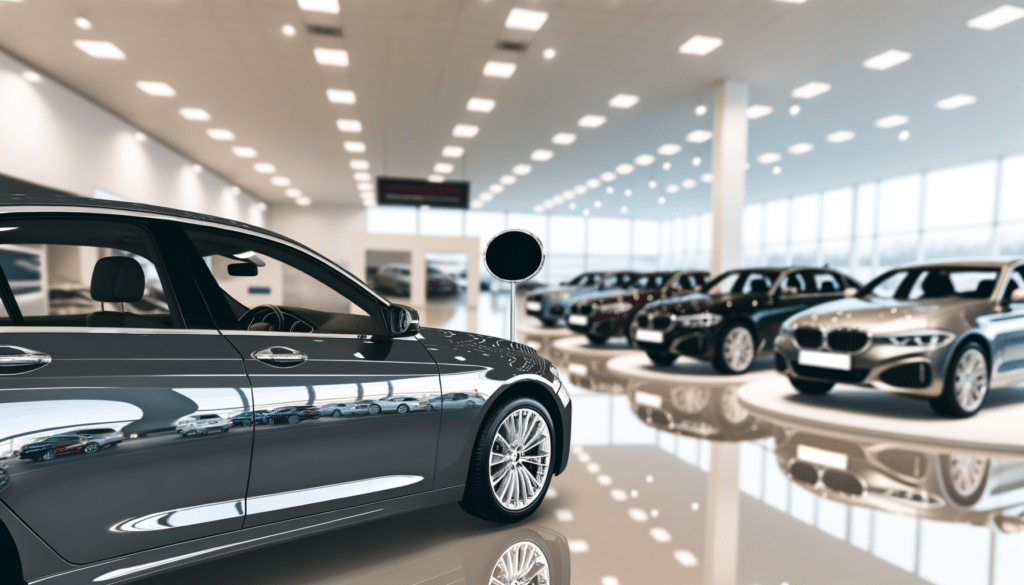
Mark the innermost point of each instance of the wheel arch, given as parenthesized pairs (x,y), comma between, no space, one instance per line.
(964,339)
(10,570)
(547,398)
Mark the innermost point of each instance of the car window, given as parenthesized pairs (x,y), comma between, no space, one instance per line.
(249,272)
(756,282)
(794,280)
(49,264)
(644,281)
(1015,281)
(945,282)
(826,282)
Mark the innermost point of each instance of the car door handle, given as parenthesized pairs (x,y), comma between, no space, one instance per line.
(27,357)
(280,356)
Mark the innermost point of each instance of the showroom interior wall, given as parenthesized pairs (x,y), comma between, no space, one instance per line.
(327,229)
(54,137)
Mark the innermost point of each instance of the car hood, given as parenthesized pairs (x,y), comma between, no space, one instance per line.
(503,359)
(698,302)
(883,316)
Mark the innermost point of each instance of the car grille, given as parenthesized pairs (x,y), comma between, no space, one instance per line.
(584,309)
(661,322)
(852,377)
(847,340)
(809,337)
(908,376)
(842,482)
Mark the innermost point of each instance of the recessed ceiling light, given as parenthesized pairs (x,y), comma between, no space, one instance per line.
(707,178)
(776,170)
(538,209)
(568,194)
(892,121)
(563,138)
(652,184)
(435,178)
(362,176)
(792,1)
(523,19)
(156,88)
(350,126)
(264,168)
(507,180)
(794,109)
(293,192)
(480,105)
(328,6)
(549,53)
(364,186)
(904,135)
(758,111)
(304,201)
(801,148)
(696,161)
(890,58)
(624,209)
(700,45)
(769,158)
(586,212)
(244,152)
(669,149)
(358,164)
(810,90)
(496,188)
(572,206)
(443,168)
(666,165)
(700,110)
(195,114)
(332,57)
(956,101)
(699,136)
(627,192)
(522,169)
(689,184)
(100,49)
(280,181)
(288,30)
(610,190)
(354,146)
(597,204)
(452,151)
(83,23)
(644,159)
(624,169)
(592,121)
(465,130)
(558,199)
(672,188)
(548,204)
(140,137)
(661,201)
(32,76)
(993,19)
(486,196)
(499,69)
(579,189)
(623,101)
(341,96)
(476,204)
(220,134)
(840,136)
(608,176)
(541,155)
(593,183)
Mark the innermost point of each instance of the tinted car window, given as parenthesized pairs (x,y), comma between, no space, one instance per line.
(887,285)
(742,281)
(794,280)
(642,282)
(940,283)
(826,282)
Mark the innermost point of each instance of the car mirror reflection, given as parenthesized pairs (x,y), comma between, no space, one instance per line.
(850,292)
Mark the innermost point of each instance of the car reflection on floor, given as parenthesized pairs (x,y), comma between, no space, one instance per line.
(707,411)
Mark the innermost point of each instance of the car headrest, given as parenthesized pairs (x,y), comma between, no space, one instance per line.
(985,288)
(828,287)
(937,285)
(758,286)
(117,279)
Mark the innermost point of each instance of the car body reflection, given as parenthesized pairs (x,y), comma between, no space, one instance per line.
(202,424)
(291,415)
(399,404)
(50,448)
(705,411)
(905,478)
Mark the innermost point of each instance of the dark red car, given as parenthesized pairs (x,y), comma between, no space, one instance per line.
(53,447)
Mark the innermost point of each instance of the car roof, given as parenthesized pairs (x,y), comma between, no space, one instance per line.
(991,263)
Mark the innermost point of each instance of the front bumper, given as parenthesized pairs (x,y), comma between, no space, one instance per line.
(695,342)
(913,371)
(602,324)
(550,310)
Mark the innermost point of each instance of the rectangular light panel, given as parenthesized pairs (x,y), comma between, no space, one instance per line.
(956,101)
(886,60)
(623,101)
(100,49)
(993,19)
(563,138)
(349,126)
(480,105)
(700,45)
(892,121)
(465,130)
(326,6)
(699,136)
(156,88)
(500,69)
(331,57)
(195,114)
(452,151)
(592,121)
(758,111)
(523,19)
(810,90)
(341,96)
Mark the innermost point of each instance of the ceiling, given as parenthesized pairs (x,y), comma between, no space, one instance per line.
(415,63)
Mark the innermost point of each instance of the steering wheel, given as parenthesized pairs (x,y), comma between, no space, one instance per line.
(250,315)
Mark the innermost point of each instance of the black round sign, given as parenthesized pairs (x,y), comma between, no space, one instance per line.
(514,256)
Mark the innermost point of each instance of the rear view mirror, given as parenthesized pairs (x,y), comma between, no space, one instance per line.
(1017,296)
(850,292)
(243,269)
(403,321)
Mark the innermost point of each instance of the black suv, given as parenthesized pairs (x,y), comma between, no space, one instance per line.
(736,317)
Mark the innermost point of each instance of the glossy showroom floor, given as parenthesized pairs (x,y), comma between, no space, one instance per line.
(860,488)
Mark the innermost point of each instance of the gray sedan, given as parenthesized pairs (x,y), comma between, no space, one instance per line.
(399,404)
(945,332)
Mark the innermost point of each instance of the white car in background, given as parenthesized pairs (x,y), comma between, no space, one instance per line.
(202,424)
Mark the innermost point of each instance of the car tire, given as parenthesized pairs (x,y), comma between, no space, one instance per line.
(247,422)
(498,503)
(966,385)
(597,339)
(225,429)
(662,358)
(736,350)
(811,387)
(49,455)
(374,409)
(336,414)
(204,432)
(271,421)
(182,433)
(293,419)
(91,448)
(964,478)
(402,409)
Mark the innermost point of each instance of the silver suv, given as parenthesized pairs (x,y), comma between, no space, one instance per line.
(202,424)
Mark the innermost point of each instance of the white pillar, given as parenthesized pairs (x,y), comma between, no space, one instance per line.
(728,162)
(722,518)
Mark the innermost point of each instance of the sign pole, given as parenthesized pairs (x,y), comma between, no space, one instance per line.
(514,256)
(512,315)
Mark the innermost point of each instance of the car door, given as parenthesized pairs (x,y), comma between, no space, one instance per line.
(61,372)
(1005,328)
(329,349)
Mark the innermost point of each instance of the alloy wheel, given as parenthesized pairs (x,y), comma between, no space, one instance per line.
(523,563)
(966,474)
(92,448)
(738,349)
(971,380)
(520,459)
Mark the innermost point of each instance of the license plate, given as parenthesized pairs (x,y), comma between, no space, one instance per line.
(650,336)
(578,320)
(647,399)
(578,369)
(822,457)
(822,359)
(533,306)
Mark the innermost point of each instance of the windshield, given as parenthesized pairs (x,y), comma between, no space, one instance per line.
(933,283)
(616,281)
(742,282)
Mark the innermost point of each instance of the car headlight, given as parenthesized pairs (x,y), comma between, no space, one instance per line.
(929,339)
(620,307)
(698,320)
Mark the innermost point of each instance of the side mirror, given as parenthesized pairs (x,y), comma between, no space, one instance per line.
(403,321)
(789,291)
(850,292)
(243,269)
(1017,296)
